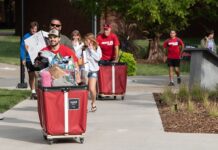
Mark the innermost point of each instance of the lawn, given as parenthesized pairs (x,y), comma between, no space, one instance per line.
(9,49)
(159,69)
(9,98)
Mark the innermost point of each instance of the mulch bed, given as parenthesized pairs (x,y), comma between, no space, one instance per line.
(184,121)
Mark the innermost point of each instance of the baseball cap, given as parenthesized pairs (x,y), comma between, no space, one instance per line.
(107,26)
(54,32)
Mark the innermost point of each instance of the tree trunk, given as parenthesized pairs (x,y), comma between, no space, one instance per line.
(156,54)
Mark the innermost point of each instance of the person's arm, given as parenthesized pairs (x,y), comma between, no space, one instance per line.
(204,43)
(116,48)
(96,54)
(165,50)
(22,51)
(116,53)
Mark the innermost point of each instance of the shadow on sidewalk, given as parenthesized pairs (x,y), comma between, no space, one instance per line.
(22,134)
(34,109)
(15,120)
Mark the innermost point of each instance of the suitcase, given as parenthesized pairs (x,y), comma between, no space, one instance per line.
(63,112)
(112,78)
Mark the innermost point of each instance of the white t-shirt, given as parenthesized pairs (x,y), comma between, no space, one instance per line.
(210,45)
(78,48)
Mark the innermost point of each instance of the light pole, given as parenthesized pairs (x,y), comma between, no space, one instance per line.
(22,84)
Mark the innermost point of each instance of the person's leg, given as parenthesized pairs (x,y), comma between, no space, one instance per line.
(32,78)
(177,71)
(171,71)
(92,89)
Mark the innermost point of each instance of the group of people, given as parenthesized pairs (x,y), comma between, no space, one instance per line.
(86,53)
(90,51)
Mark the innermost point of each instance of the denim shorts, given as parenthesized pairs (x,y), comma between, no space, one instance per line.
(93,74)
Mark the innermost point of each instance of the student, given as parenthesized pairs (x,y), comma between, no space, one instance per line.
(174,46)
(78,48)
(56,24)
(93,54)
(208,41)
(109,45)
(25,58)
(55,47)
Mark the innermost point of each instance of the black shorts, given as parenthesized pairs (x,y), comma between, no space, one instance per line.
(30,67)
(173,62)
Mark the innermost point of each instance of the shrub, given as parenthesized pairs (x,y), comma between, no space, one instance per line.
(168,96)
(183,93)
(213,110)
(131,63)
(197,93)
(190,105)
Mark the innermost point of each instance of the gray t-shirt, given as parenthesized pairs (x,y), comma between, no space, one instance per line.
(66,41)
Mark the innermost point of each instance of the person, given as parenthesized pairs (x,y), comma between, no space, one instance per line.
(208,41)
(56,24)
(25,58)
(77,43)
(77,46)
(93,54)
(174,46)
(109,45)
(55,47)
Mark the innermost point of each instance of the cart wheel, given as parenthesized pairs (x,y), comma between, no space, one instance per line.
(122,97)
(81,140)
(115,97)
(45,137)
(50,141)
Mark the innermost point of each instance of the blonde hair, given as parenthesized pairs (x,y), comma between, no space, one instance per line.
(91,37)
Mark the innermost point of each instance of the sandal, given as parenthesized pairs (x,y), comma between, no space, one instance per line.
(93,108)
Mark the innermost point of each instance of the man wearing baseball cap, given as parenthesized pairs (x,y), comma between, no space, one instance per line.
(55,47)
(109,44)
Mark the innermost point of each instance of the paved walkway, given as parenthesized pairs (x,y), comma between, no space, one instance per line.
(132,124)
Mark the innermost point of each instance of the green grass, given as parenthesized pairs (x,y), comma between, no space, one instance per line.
(151,69)
(158,69)
(9,98)
(9,49)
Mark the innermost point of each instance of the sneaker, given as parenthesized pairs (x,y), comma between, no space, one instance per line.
(178,80)
(171,84)
(33,96)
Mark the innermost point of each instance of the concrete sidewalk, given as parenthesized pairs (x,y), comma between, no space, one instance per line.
(132,124)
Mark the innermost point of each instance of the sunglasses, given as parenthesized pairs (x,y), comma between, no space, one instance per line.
(55,25)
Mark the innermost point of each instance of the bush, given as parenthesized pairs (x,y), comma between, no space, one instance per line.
(198,93)
(183,93)
(168,97)
(131,63)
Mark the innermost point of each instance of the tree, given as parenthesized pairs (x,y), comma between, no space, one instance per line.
(155,17)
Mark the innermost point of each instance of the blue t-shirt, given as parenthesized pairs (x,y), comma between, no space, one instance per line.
(23,53)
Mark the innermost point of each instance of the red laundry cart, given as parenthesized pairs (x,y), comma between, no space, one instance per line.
(112,78)
(63,112)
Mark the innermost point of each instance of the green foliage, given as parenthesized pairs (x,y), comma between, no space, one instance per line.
(197,93)
(9,98)
(168,97)
(131,63)
(190,106)
(213,110)
(183,93)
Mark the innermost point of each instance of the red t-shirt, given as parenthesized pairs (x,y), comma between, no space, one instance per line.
(173,48)
(107,44)
(63,51)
